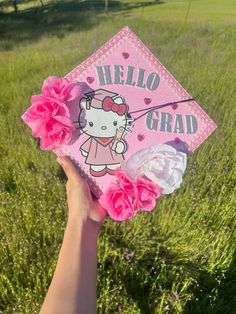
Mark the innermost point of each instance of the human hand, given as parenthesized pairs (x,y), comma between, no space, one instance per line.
(80,203)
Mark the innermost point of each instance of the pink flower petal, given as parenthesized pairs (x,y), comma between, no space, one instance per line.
(147,193)
(119,205)
(72,91)
(61,89)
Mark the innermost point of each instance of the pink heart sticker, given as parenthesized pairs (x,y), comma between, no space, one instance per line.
(125,55)
(174,107)
(140,137)
(90,79)
(177,140)
(147,100)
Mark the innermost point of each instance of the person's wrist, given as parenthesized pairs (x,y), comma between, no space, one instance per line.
(83,224)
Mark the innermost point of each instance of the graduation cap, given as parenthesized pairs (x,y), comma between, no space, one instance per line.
(95,98)
(161,110)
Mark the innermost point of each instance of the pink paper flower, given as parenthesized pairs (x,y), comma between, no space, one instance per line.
(126,197)
(57,133)
(119,205)
(61,89)
(147,192)
(124,181)
(42,110)
(49,116)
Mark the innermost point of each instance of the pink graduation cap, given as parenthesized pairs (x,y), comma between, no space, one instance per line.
(162,111)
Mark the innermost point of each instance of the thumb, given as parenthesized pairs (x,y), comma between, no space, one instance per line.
(69,169)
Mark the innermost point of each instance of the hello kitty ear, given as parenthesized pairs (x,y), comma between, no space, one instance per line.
(85,103)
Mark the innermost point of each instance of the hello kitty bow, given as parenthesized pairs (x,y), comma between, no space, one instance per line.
(110,104)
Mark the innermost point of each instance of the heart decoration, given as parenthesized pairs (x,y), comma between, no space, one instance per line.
(147,100)
(90,79)
(140,137)
(177,140)
(174,107)
(125,55)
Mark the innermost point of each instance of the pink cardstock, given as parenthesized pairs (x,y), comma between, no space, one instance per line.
(130,101)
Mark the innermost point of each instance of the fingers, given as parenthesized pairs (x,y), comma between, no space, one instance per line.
(70,170)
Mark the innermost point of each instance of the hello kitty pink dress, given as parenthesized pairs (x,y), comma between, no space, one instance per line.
(100,152)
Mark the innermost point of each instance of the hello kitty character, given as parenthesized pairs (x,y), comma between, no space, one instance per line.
(104,118)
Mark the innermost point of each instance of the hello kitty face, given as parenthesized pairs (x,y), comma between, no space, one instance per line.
(96,122)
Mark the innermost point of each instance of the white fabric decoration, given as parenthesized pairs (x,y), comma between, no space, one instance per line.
(162,164)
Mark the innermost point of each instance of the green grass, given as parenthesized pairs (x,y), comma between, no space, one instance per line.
(184,257)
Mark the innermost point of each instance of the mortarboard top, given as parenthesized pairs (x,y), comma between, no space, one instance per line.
(97,97)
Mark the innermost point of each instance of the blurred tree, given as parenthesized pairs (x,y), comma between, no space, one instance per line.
(5,4)
(106,6)
(15,6)
(41,2)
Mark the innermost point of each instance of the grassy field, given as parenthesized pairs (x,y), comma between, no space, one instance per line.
(182,257)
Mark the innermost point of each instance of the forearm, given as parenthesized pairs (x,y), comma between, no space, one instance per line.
(73,287)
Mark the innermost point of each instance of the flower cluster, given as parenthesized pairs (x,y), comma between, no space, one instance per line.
(126,197)
(49,116)
(142,178)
